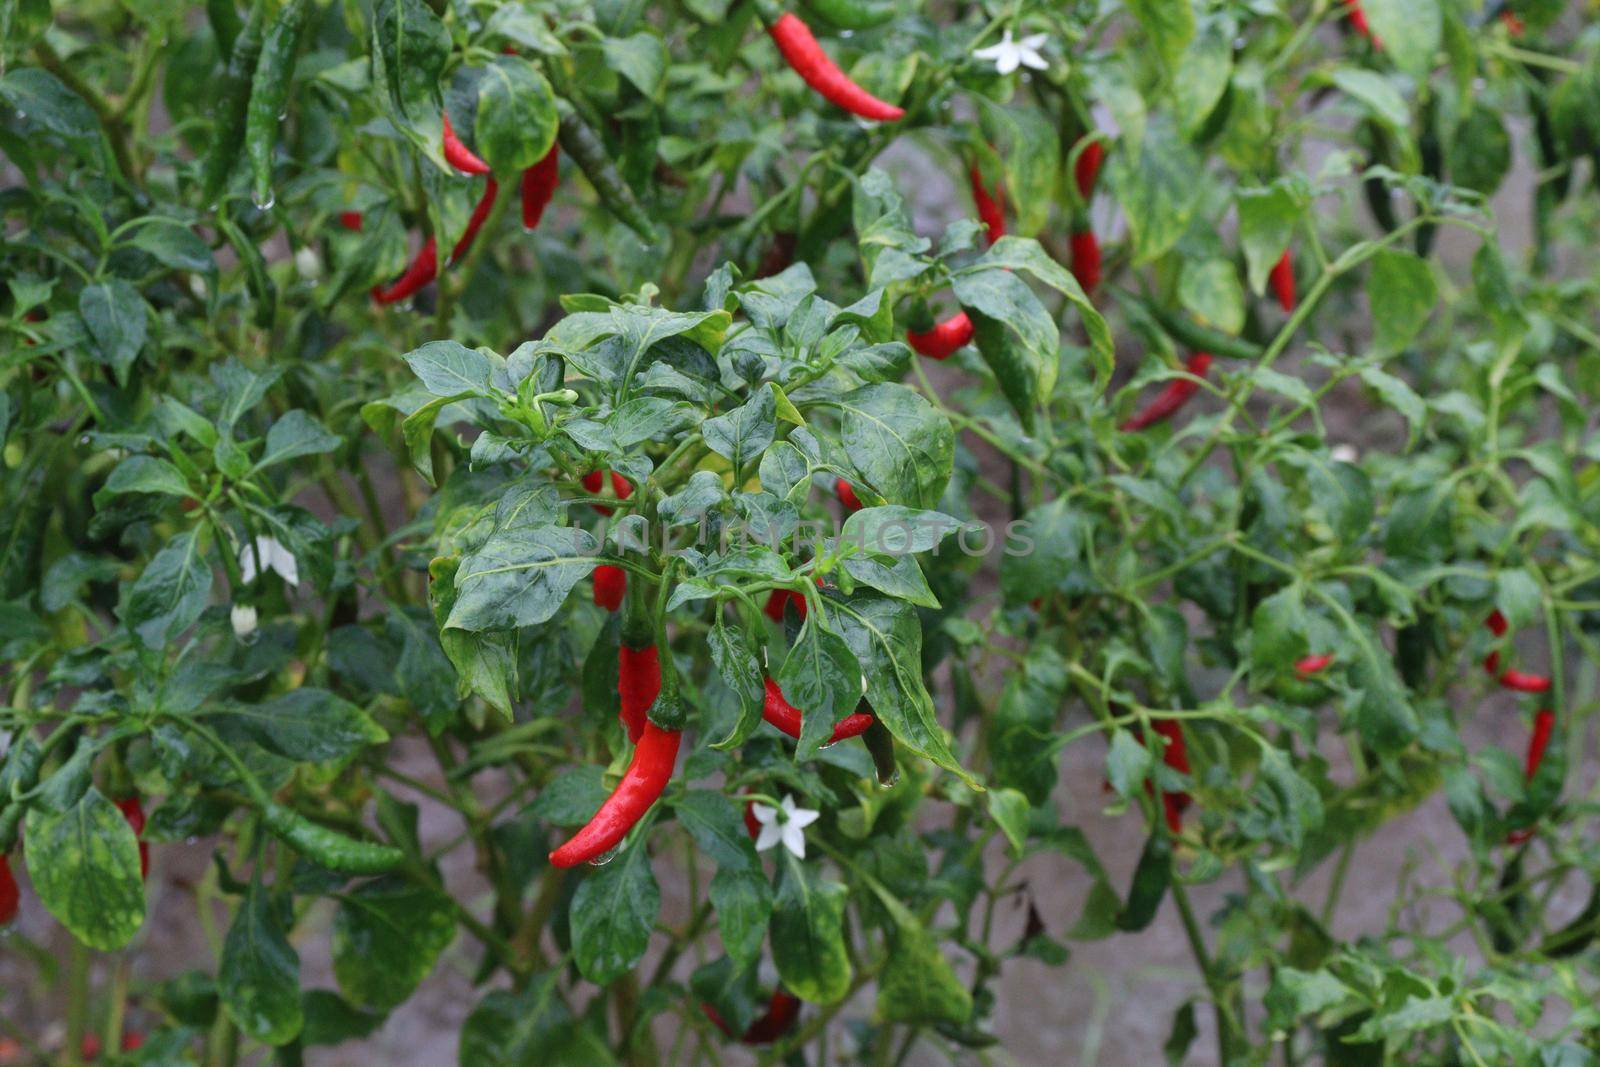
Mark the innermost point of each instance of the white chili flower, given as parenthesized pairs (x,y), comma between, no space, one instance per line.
(244,621)
(785,823)
(1008,55)
(273,556)
(1344,453)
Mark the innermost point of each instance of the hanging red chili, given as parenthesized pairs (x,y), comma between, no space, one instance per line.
(802,52)
(133,811)
(538,186)
(778,598)
(351,220)
(786,717)
(752,825)
(421,271)
(10,896)
(945,338)
(1518,681)
(1176,756)
(642,783)
(782,1011)
(847,497)
(610,584)
(991,209)
(1087,169)
(1086,259)
(1173,397)
(1358,19)
(1283,281)
(1544,723)
(459,155)
(619,485)
(638,685)
(1306,666)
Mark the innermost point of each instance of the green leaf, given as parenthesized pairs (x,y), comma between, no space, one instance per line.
(1378,95)
(1169,25)
(521,577)
(1017,368)
(1401,292)
(114,313)
(807,935)
(744,433)
(917,984)
(517,117)
(613,913)
(742,901)
(1017,254)
(1203,73)
(1267,219)
(172,244)
(1009,809)
(259,973)
(1411,31)
(642,59)
(451,369)
(310,725)
(170,593)
(409,49)
(387,936)
(1158,189)
(898,442)
(42,97)
(519,1028)
(735,659)
(143,474)
(295,434)
(1045,553)
(84,862)
(821,677)
(1210,289)
(1278,631)
(1128,764)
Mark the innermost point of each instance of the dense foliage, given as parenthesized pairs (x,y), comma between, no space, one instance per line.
(1203,383)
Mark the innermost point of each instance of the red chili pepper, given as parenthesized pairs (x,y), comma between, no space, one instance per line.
(538,186)
(610,583)
(991,209)
(847,497)
(10,895)
(1173,397)
(1087,169)
(423,269)
(351,220)
(638,685)
(1544,722)
(1524,682)
(647,775)
(778,598)
(945,337)
(782,1010)
(1086,259)
(89,1047)
(1358,19)
(133,811)
(1283,281)
(786,717)
(802,52)
(752,825)
(1515,26)
(619,485)
(459,155)
(1176,756)
(1309,665)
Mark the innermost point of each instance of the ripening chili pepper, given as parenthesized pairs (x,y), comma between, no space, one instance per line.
(1497,626)
(638,685)
(991,209)
(1306,666)
(847,495)
(778,598)
(619,485)
(133,811)
(945,338)
(1283,281)
(1358,19)
(418,274)
(779,255)
(1544,723)
(458,155)
(1086,259)
(1514,26)
(802,52)
(642,783)
(89,1047)
(1086,170)
(351,220)
(10,896)
(782,1011)
(610,584)
(752,825)
(269,96)
(1173,397)
(1524,682)
(1176,756)
(787,718)
(539,185)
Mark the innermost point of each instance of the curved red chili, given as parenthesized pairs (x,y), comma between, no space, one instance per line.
(778,598)
(1086,259)
(620,486)
(945,338)
(422,270)
(847,497)
(351,220)
(1524,682)
(642,783)
(786,717)
(1176,756)
(10,896)
(459,155)
(991,209)
(538,186)
(638,685)
(782,1011)
(1544,723)
(1087,169)
(802,52)
(1283,281)
(1173,397)
(133,811)
(1306,666)
(610,584)
(1358,19)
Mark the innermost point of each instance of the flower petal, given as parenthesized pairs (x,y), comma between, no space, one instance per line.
(1033,59)
(771,834)
(765,815)
(803,817)
(794,839)
(1008,62)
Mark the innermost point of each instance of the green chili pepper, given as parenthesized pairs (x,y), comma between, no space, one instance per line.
(1574,937)
(880,746)
(225,25)
(234,100)
(583,145)
(269,94)
(1432,154)
(856,14)
(1203,338)
(329,848)
(1150,881)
